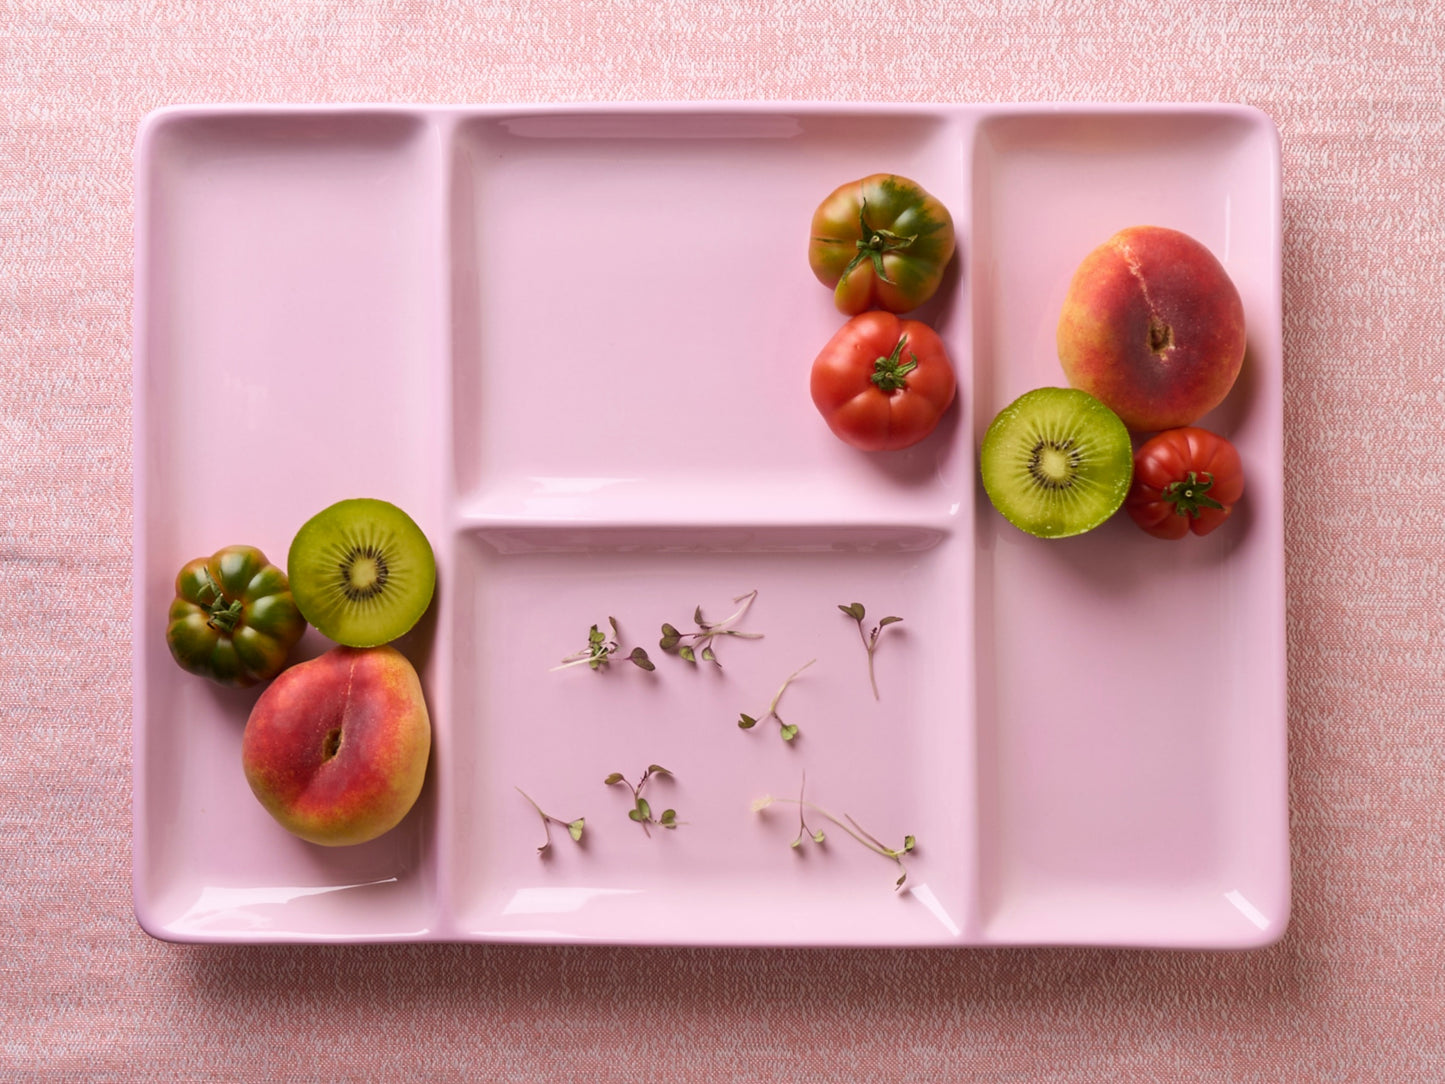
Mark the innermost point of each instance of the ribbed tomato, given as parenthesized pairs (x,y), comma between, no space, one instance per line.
(882,383)
(1186,479)
(233,619)
(880,243)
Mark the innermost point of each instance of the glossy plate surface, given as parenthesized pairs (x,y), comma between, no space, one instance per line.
(573,342)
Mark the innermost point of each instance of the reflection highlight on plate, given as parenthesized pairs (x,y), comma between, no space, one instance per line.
(553,486)
(925,895)
(517,539)
(1247,909)
(654,125)
(240,903)
(561,900)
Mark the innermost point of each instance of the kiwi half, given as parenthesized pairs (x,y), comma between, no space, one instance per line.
(1056,462)
(362,572)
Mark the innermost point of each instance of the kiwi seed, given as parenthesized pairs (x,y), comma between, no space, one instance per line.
(1056,462)
(362,572)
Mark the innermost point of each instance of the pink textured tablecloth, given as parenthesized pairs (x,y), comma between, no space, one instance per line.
(1352,992)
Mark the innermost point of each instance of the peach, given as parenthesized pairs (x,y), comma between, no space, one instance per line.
(336,747)
(1153,328)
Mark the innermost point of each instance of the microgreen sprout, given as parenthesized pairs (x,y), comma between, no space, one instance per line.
(847,823)
(599,651)
(574,828)
(786,731)
(691,646)
(641,811)
(803,829)
(870,640)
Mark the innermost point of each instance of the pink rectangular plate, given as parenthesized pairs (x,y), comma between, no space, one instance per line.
(573,342)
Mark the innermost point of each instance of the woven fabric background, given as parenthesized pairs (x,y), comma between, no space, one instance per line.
(1354,992)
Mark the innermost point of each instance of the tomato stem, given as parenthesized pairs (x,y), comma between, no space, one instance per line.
(875,244)
(890,373)
(221,615)
(1189,495)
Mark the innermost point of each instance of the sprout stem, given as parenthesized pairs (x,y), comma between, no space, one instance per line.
(848,825)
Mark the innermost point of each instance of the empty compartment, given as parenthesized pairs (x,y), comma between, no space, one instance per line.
(900,765)
(289,294)
(636,318)
(1131,692)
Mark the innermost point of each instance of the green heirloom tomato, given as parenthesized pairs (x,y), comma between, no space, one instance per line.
(233,619)
(881,243)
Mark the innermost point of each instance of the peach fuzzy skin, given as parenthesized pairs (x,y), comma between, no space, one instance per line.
(336,748)
(1153,328)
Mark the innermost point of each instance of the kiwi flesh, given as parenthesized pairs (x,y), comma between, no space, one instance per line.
(1056,462)
(362,572)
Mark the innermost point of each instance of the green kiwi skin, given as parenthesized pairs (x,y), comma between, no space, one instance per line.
(1102,487)
(316,557)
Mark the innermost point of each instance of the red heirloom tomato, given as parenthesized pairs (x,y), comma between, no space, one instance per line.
(882,383)
(881,243)
(1184,480)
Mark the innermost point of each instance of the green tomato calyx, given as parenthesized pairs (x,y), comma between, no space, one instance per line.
(1191,494)
(221,615)
(875,244)
(891,373)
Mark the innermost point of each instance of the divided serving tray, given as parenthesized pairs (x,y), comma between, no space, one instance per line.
(573,342)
